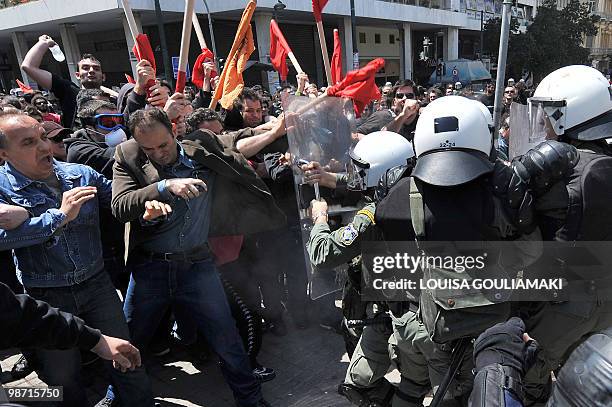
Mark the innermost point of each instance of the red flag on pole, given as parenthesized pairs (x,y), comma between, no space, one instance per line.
(197,76)
(24,88)
(279,50)
(142,49)
(317,8)
(336,62)
(359,85)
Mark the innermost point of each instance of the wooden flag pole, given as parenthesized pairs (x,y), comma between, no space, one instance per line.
(185,39)
(129,15)
(109,91)
(295,63)
(325,54)
(198,30)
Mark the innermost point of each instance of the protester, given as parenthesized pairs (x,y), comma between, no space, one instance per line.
(488,98)
(32,323)
(433,94)
(89,74)
(161,242)
(400,118)
(57,134)
(42,104)
(64,201)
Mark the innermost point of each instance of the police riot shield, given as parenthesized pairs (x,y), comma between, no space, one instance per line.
(319,137)
(525,132)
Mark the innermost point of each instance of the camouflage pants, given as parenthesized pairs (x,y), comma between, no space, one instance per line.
(559,328)
(370,361)
(423,364)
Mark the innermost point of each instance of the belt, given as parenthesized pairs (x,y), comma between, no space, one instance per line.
(191,256)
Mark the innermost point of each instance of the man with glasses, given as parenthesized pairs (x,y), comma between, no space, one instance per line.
(56,134)
(42,104)
(400,118)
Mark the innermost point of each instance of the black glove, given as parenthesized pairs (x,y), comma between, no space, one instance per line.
(503,343)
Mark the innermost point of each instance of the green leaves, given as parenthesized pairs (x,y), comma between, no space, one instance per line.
(553,40)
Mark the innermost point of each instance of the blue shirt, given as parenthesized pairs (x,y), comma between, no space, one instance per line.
(187,226)
(47,255)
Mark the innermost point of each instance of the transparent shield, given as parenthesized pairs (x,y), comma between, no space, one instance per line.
(319,133)
(524,132)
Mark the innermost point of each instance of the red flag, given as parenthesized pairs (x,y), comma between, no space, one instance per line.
(197,77)
(129,78)
(279,50)
(359,85)
(336,62)
(142,49)
(317,8)
(24,88)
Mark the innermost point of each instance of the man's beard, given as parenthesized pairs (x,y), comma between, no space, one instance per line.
(43,109)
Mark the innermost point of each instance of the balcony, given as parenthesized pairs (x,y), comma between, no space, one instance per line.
(436,4)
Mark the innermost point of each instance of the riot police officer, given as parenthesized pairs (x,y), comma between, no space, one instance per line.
(572,104)
(380,155)
(459,192)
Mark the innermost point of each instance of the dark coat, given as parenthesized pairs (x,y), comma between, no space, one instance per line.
(241,201)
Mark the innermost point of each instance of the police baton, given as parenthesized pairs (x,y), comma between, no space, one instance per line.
(456,357)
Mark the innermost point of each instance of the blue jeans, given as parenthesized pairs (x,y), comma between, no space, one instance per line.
(95,301)
(193,290)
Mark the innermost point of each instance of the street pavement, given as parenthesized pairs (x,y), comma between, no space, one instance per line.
(309,364)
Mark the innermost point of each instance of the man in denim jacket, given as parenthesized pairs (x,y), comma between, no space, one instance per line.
(58,252)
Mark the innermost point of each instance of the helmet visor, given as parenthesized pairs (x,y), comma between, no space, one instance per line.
(357,176)
(546,118)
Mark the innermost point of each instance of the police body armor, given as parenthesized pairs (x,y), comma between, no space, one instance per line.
(454,215)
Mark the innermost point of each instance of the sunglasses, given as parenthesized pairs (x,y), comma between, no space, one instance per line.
(508,91)
(109,121)
(400,95)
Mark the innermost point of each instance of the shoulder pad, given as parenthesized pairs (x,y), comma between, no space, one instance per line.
(389,179)
(514,196)
(545,164)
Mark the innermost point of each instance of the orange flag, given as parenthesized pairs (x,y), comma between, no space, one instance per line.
(231,82)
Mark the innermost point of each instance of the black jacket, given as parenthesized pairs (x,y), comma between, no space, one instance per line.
(83,149)
(26,322)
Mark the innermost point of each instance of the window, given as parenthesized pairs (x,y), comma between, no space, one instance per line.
(376,38)
(362,38)
(391,38)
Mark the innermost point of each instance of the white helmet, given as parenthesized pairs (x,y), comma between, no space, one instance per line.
(453,141)
(374,155)
(570,97)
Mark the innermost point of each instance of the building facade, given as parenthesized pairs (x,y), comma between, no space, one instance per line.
(396,30)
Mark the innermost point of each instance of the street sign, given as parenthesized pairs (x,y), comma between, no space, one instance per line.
(175,63)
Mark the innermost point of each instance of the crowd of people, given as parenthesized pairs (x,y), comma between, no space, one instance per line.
(190,214)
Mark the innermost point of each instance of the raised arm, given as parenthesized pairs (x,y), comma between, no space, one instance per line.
(31,62)
(250,146)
